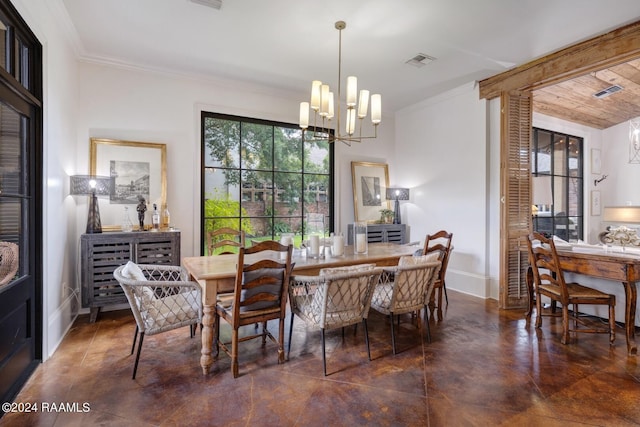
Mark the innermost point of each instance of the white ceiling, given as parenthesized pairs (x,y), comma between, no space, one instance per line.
(287,43)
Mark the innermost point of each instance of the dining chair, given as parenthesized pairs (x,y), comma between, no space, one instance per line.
(224,241)
(548,280)
(439,242)
(335,298)
(406,288)
(260,295)
(162,298)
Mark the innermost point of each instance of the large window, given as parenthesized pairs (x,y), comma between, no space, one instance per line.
(559,157)
(261,177)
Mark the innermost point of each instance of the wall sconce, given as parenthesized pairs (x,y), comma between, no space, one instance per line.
(93,186)
(397,194)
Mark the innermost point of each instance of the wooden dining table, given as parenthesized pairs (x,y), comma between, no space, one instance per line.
(217,273)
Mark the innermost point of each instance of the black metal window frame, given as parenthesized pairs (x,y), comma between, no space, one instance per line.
(560,218)
(320,193)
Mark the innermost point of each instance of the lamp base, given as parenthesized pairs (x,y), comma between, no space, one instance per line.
(94,225)
(396,216)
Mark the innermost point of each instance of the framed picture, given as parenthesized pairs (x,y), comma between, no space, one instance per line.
(370,182)
(138,170)
(596,162)
(595,203)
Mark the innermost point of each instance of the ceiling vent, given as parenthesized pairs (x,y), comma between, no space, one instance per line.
(215,4)
(608,91)
(420,60)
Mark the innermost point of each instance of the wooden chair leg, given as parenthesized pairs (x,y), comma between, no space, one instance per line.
(612,324)
(234,353)
(135,365)
(446,297)
(264,333)
(538,310)
(565,324)
(281,341)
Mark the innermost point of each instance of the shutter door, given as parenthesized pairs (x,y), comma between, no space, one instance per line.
(515,215)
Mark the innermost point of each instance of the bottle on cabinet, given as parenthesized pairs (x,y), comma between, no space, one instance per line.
(155,218)
(166,218)
(126,225)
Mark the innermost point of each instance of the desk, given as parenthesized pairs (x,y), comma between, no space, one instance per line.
(217,273)
(618,266)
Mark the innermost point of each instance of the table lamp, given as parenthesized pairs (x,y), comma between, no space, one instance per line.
(397,194)
(93,186)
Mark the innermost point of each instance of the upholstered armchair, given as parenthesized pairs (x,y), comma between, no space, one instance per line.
(162,298)
(335,298)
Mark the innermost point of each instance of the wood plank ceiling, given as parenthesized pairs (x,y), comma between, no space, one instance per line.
(573,100)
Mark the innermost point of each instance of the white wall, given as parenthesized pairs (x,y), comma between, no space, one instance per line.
(621,186)
(442,156)
(138,105)
(60,76)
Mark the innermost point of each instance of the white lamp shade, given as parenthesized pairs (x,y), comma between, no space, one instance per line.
(304,115)
(352,90)
(621,214)
(315,94)
(376,108)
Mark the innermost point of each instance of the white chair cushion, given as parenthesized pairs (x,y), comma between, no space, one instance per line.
(133,272)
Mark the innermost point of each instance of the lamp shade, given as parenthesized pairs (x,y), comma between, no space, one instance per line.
(623,214)
(397,194)
(90,184)
(93,186)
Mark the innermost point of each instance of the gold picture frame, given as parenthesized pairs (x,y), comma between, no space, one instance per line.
(370,182)
(138,168)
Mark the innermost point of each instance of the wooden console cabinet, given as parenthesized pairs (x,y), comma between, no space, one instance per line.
(103,253)
(386,233)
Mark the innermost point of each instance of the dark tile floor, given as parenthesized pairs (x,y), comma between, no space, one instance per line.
(484,367)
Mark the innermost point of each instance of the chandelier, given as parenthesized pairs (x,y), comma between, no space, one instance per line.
(322,105)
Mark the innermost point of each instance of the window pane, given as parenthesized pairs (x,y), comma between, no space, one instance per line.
(221,202)
(221,143)
(22,63)
(316,157)
(10,153)
(543,153)
(257,146)
(4,42)
(288,149)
